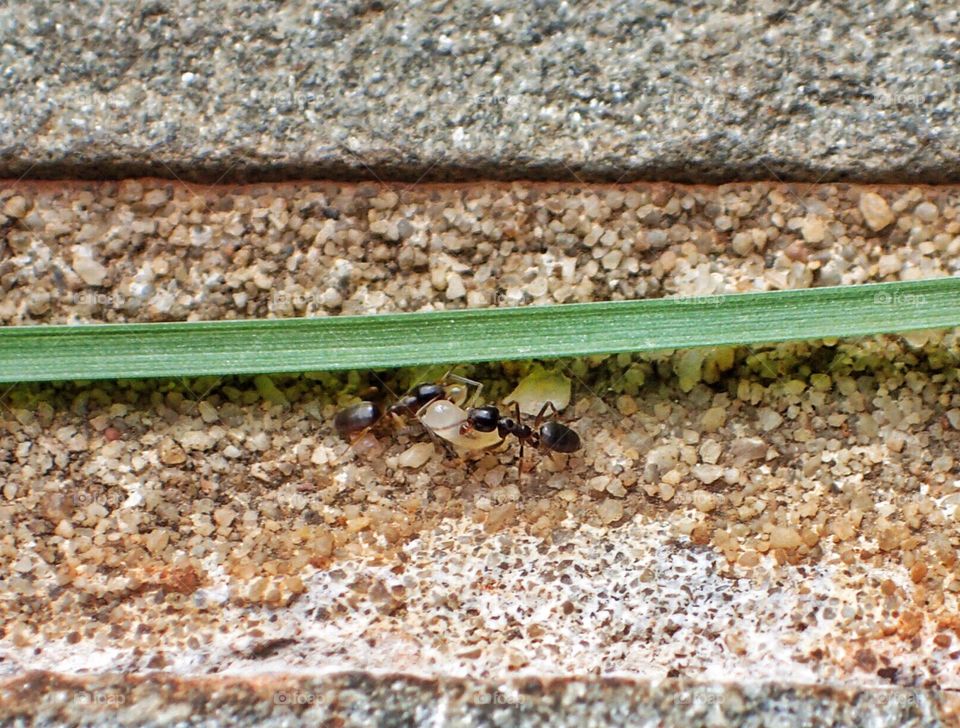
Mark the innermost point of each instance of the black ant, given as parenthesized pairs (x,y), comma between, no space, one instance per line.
(351,421)
(550,435)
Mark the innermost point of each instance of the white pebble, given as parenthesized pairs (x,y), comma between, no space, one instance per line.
(888,264)
(611,261)
(663,457)
(416,455)
(610,510)
(707,474)
(704,501)
(87,268)
(710,451)
(455,287)
(196,440)
(15,207)
(926,212)
(784,538)
(768,419)
(954,418)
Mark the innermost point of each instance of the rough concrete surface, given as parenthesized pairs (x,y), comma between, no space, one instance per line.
(449,90)
(364,699)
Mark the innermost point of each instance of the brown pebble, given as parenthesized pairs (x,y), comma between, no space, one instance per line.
(57,507)
(917,572)
(797,251)
(499,517)
(866,660)
(910,625)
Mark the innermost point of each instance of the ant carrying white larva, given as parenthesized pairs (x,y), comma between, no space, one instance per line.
(436,406)
(353,420)
(439,408)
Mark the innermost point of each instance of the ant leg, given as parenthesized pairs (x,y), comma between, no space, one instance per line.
(383,384)
(520,465)
(448,373)
(516,414)
(355,440)
(542,414)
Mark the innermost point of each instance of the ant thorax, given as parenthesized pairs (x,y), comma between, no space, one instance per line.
(446,419)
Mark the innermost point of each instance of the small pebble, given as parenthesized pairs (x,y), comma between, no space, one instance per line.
(416,455)
(876,212)
(704,501)
(813,229)
(953,417)
(627,405)
(171,453)
(455,288)
(16,206)
(747,449)
(207,412)
(710,451)
(707,474)
(926,212)
(90,271)
(784,538)
(713,419)
(611,510)
(768,419)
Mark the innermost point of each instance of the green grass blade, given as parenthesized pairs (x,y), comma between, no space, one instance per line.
(114,351)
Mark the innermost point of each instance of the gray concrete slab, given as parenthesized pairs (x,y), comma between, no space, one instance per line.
(603,90)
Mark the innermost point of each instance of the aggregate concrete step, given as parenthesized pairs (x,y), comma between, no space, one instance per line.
(605,90)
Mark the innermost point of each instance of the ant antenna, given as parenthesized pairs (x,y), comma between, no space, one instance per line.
(470,383)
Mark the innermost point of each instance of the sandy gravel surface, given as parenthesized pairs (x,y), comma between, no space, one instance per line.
(153,250)
(790,512)
(774,513)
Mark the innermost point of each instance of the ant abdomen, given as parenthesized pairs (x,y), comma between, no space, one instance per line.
(558,437)
(356,418)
